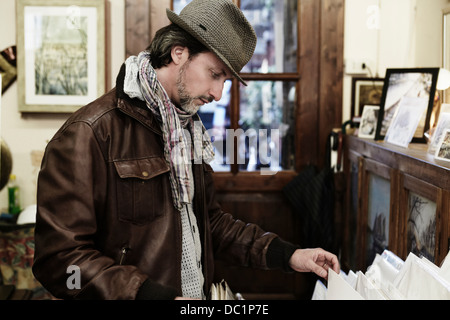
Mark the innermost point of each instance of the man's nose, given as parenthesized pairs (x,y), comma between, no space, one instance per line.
(216,91)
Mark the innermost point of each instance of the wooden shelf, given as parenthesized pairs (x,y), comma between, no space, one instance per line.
(414,160)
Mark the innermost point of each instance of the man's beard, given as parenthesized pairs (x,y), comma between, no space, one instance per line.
(187,102)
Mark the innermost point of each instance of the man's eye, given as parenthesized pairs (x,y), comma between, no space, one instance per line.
(215,75)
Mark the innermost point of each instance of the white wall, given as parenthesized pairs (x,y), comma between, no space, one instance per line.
(27,135)
(391,34)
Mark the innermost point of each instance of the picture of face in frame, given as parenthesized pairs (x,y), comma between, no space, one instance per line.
(399,83)
(368,124)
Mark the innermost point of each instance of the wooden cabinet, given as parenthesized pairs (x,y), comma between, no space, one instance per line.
(396,199)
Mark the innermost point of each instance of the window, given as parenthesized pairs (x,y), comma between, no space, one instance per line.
(252,127)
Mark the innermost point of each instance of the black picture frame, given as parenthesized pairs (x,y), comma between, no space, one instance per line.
(415,81)
(365,91)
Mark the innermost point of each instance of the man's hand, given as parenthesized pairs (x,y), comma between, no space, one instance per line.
(314,260)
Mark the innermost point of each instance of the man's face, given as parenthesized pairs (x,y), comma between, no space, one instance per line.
(200,81)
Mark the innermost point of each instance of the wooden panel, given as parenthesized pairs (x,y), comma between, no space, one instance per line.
(307,123)
(321,42)
(252,181)
(353,171)
(271,212)
(142,19)
(137,26)
(331,70)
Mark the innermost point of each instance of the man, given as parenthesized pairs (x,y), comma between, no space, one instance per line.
(125,194)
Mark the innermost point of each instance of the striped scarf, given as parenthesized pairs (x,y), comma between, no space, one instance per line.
(178,150)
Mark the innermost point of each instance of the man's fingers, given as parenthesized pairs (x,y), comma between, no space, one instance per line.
(332,261)
(320,270)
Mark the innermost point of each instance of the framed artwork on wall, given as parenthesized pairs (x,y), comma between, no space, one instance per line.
(365,91)
(61,54)
(417,83)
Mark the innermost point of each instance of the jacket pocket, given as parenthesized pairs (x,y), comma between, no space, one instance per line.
(142,190)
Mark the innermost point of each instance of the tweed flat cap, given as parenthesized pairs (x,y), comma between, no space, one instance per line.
(222,27)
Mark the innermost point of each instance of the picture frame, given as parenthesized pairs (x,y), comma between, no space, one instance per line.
(443,148)
(369,120)
(442,125)
(405,121)
(378,219)
(60,54)
(421,215)
(408,82)
(365,91)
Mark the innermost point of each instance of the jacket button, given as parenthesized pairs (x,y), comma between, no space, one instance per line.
(145,173)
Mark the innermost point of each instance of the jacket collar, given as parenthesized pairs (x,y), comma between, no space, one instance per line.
(135,108)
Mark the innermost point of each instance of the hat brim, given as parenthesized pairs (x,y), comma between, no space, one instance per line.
(176,19)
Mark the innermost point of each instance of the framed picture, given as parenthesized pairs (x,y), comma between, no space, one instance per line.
(443,148)
(405,121)
(442,125)
(400,83)
(368,125)
(421,215)
(378,219)
(365,91)
(61,54)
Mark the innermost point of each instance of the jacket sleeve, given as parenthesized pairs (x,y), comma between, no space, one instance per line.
(68,195)
(244,244)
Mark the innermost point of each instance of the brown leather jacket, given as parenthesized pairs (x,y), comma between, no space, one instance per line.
(104,205)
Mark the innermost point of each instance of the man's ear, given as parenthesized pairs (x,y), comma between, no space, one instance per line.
(179,54)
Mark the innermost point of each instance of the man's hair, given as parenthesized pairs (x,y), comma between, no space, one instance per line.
(168,37)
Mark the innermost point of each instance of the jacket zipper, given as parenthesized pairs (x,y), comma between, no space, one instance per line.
(124,251)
